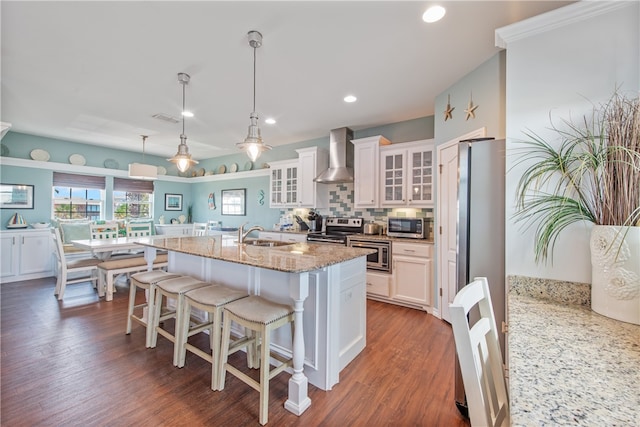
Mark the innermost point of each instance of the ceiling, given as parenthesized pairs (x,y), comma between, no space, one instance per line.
(96,72)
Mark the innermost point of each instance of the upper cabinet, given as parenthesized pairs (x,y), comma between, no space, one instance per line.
(292,182)
(407,174)
(366,152)
(403,176)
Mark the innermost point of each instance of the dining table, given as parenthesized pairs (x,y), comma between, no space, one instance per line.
(104,248)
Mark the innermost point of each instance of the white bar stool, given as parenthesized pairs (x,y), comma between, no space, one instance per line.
(175,289)
(210,299)
(146,280)
(260,316)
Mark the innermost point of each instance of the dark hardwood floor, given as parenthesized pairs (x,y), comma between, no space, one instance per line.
(70,363)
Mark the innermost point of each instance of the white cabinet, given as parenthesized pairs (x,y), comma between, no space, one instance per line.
(311,162)
(292,182)
(174,229)
(406,174)
(26,254)
(366,175)
(378,284)
(412,273)
(283,183)
(282,236)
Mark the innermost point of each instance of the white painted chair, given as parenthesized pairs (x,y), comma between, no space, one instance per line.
(480,358)
(260,316)
(108,230)
(211,300)
(78,265)
(139,229)
(199,229)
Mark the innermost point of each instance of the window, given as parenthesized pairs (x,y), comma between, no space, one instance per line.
(77,196)
(132,198)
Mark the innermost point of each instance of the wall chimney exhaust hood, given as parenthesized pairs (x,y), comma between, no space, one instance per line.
(340,158)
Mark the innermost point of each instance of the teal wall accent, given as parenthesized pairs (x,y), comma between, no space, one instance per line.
(195,194)
(20,146)
(486,85)
(41,180)
(256,214)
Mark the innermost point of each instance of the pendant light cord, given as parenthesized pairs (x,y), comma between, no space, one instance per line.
(254,79)
(183,84)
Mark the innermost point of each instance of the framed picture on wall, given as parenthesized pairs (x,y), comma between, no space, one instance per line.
(16,196)
(233,202)
(172,202)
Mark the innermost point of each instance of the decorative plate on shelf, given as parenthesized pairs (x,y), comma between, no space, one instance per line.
(248,166)
(174,221)
(222,169)
(111,164)
(201,172)
(39,155)
(233,167)
(209,173)
(4,150)
(77,159)
(162,170)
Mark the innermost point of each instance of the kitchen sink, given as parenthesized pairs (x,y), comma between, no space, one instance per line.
(265,243)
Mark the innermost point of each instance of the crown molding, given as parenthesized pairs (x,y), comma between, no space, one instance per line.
(558,18)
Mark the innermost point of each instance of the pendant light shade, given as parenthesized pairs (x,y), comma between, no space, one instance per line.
(142,170)
(182,158)
(253,144)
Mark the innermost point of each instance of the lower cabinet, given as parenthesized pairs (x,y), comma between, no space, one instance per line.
(283,236)
(25,254)
(174,229)
(411,281)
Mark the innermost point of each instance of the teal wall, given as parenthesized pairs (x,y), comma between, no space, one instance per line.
(486,85)
(194,194)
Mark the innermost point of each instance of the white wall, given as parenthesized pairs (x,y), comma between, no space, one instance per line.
(576,56)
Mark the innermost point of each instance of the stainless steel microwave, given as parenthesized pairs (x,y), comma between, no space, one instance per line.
(412,228)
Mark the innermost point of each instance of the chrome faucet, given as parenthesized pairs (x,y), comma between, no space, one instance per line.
(243,234)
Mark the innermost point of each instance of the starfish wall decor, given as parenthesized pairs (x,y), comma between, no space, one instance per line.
(449,110)
(471,108)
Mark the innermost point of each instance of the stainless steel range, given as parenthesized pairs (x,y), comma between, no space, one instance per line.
(336,230)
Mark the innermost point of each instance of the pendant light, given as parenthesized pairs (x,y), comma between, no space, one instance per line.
(142,170)
(183,159)
(253,144)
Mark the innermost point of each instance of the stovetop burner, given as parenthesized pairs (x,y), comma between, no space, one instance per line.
(337,230)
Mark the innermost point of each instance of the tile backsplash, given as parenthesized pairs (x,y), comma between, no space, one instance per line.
(341,205)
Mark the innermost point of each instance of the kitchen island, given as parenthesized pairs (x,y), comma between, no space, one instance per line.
(326,283)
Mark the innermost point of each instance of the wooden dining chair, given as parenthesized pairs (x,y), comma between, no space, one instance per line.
(479,354)
(106,230)
(199,229)
(77,265)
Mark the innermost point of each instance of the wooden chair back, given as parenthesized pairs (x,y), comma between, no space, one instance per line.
(479,354)
(199,229)
(108,230)
(139,229)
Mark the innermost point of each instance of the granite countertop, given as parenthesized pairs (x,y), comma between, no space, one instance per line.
(571,366)
(290,258)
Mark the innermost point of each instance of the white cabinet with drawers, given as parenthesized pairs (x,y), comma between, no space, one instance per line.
(410,283)
(25,254)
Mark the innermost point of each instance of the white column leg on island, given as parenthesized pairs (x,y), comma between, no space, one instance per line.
(298,400)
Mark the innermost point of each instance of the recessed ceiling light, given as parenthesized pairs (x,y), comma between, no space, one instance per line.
(350,98)
(270,121)
(433,14)
(187,113)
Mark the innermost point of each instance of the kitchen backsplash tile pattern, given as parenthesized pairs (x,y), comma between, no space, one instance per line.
(341,200)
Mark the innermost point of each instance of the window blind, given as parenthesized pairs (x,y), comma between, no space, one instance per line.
(133,185)
(78,181)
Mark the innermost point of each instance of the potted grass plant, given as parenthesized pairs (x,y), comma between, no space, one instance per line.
(590,172)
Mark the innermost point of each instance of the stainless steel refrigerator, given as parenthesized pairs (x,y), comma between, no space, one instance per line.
(481,222)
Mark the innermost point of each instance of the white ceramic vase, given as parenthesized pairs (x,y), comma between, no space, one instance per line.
(615,272)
